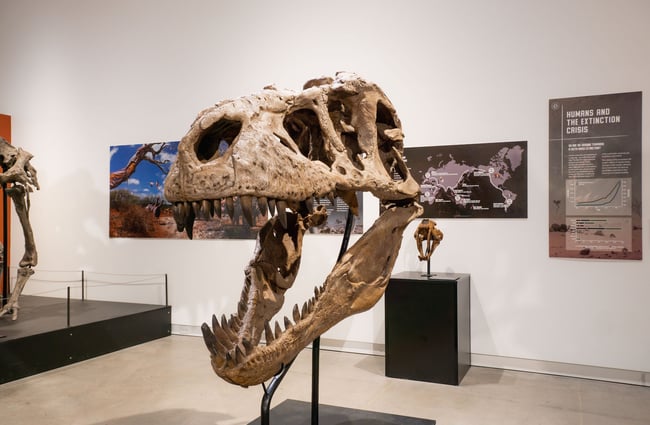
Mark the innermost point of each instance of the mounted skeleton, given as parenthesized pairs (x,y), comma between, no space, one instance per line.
(18,179)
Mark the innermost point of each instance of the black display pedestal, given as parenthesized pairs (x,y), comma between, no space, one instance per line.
(41,338)
(293,412)
(427,327)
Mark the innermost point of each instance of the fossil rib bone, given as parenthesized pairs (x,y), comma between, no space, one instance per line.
(279,149)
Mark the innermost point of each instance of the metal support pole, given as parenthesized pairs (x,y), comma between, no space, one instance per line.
(68,307)
(166,292)
(315,356)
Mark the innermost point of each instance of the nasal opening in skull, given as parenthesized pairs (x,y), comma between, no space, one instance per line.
(305,130)
(216,139)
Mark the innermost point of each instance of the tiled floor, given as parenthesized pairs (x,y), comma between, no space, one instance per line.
(170,382)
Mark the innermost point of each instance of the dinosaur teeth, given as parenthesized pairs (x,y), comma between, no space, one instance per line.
(197,208)
(207,208)
(234,323)
(230,207)
(304,311)
(239,355)
(246,203)
(287,323)
(262,205)
(224,325)
(268,332)
(241,308)
(247,345)
(217,207)
(296,313)
(209,339)
(271,205)
(220,334)
(282,212)
(278,330)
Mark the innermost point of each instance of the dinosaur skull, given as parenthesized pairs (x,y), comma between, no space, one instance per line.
(280,149)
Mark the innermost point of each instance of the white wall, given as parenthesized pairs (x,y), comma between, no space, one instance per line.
(79,76)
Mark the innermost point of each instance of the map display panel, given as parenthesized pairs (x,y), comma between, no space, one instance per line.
(484,180)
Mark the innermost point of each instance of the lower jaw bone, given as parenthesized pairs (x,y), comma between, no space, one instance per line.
(355,284)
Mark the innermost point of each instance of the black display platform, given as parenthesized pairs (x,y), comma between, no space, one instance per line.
(428,327)
(40,339)
(293,412)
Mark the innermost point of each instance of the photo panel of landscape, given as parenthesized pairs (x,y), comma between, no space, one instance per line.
(138,208)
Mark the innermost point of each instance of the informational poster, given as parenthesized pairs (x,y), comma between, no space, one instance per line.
(483,180)
(595,177)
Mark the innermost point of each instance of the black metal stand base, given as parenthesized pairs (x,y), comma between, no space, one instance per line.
(293,412)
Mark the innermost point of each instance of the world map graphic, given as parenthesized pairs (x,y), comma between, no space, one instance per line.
(477,180)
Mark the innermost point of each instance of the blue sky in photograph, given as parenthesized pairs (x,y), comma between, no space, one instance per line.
(148,179)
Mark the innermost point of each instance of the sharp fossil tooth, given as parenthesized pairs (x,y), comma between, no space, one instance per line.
(304,310)
(268,333)
(207,208)
(235,321)
(263,205)
(217,207)
(272,207)
(239,356)
(282,213)
(241,309)
(189,219)
(309,202)
(331,198)
(310,306)
(287,323)
(246,203)
(296,314)
(220,334)
(224,325)
(196,207)
(234,324)
(230,207)
(316,292)
(209,339)
(247,345)
(278,330)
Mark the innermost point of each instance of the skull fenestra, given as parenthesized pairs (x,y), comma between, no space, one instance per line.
(276,151)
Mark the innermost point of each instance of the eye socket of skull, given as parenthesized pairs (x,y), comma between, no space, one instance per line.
(305,130)
(216,139)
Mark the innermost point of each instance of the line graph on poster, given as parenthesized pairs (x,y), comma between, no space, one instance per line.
(599,197)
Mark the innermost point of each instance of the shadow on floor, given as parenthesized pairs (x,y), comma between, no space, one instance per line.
(173,417)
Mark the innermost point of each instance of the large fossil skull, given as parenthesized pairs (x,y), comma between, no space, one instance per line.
(280,149)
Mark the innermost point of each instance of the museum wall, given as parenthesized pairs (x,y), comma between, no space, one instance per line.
(81,76)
